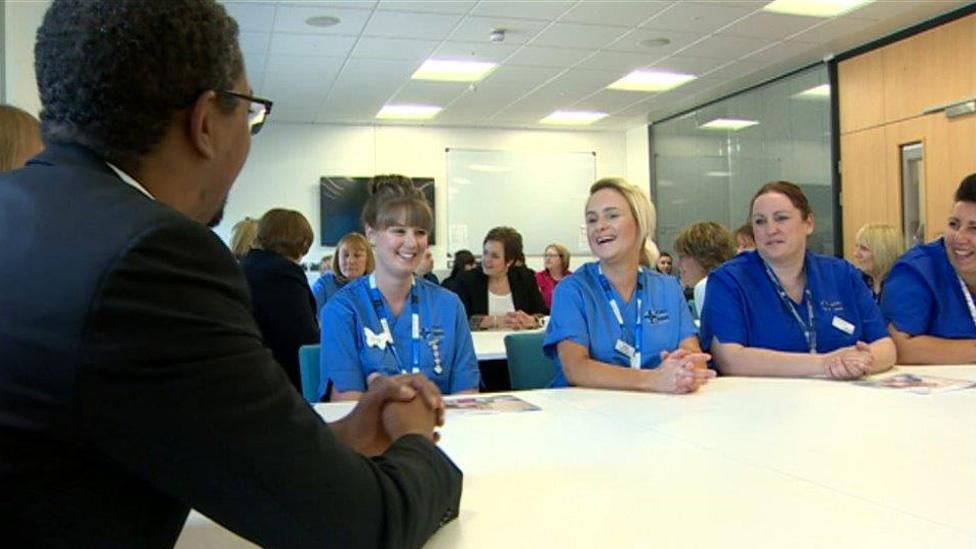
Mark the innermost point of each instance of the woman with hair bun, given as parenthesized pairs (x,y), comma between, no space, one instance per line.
(617,323)
(392,322)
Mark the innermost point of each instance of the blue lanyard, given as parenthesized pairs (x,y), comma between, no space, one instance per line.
(386,319)
(635,361)
(809,328)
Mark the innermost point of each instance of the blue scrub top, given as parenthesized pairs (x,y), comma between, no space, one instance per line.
(348,360)
(742,306)
(324,288)
(922,295)
(581,314)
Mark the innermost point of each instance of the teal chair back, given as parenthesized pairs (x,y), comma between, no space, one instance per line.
(528,367)
(308,363)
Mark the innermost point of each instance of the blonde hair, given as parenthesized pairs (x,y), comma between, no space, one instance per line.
(709,243)
(19,130)
(284,232)
(563,252)
(641,208)
(242,237)
(352,240)
(885,243)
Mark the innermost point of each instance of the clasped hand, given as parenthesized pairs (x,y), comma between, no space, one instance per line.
(850,362)
(392,407)
(681,371)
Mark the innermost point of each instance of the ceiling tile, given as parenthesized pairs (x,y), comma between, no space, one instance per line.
(520,79)
(478,29)
(575,35)
(549,11)
(311,44)
(454,7)
(543,56)
(292,19)
(429,93)
(837,28)
(252,16)
(344,4)
(771,25)
(609,101)
(619,61)
(408,49)
(399,24)
(800,52)
(254,64)
(700,17)
(303,64)
(632,42)
(614,12)
(376,72)
(725,47)
(254,42)
(689,65)
(474,51)
(878,11)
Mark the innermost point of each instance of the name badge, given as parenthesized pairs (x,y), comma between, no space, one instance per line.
(626,348)
(843,325)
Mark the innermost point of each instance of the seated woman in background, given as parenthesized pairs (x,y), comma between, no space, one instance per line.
(701,248)
(928,295)
(616,323)
(463,261)
(664,264)
(556,261)
(242,237)
(876,248)
(353,258)
(501,295)
(426,268)
(280,298)
(744,239)
(393,322)
(784,311)
(20,138)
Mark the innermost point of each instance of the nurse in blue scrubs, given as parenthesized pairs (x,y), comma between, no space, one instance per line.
(617,323)
(784,311)
(391,322)
(352,260)
(928,296)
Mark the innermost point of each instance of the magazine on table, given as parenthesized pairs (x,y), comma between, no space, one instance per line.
(488,404)
(918,383)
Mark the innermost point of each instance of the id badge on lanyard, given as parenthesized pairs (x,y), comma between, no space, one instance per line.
(632,352)
(969,298)
(809,328)
(387,334)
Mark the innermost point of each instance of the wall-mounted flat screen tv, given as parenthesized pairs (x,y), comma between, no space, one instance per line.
(342,200)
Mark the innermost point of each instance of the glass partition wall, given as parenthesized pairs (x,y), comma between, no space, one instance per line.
(708,163)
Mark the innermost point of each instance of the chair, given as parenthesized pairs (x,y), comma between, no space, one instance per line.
(308,363)
(528,367)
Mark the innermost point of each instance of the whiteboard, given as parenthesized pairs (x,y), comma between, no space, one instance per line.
(541,194)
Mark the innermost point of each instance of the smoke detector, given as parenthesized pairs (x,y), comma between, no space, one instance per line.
(497,36)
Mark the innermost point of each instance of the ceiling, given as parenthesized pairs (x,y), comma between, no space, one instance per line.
(556,54)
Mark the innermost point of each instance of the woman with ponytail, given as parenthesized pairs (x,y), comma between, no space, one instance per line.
(617,323)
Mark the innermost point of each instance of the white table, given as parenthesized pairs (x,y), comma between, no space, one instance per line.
(744,463)
(490,344)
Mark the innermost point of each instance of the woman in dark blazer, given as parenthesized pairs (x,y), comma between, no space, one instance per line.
(501,295)
(281,300)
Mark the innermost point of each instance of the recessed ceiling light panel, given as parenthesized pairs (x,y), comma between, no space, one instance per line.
(815,8)
(818,92)
(728,124)
(573,118)
(651,81)
(408,112)
(446,70)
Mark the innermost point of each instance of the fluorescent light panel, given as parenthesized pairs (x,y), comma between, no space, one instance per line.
(573,118)
(445,70)
(651,81)
(408,112)
(815,8)
(819,92)
(726,124)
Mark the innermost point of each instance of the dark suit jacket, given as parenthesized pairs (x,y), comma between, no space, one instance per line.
(134,384)
(283,307)
(472,288)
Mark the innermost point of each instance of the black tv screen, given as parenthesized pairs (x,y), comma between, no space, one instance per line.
(342,200)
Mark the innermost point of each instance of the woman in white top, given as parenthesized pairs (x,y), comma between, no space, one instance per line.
(701,248)
(501,294)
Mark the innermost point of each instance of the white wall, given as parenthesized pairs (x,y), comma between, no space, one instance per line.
(287,160)
(21,20)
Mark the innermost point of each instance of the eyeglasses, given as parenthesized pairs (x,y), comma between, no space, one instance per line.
(257,112)
(552,256)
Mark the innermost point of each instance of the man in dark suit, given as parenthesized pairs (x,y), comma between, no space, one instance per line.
(133,382)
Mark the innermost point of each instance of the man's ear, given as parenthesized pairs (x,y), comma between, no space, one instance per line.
(201,124)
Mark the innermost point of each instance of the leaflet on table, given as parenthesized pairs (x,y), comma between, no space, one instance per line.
(918,383)
(488,404)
